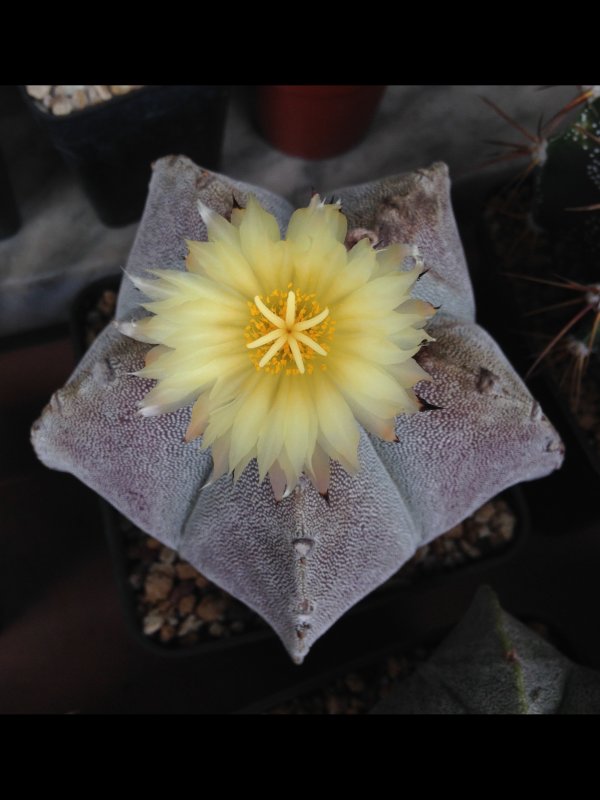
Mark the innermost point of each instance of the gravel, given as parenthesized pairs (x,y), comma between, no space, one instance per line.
(63,100)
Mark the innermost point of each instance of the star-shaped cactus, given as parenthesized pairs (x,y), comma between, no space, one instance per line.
(302,561)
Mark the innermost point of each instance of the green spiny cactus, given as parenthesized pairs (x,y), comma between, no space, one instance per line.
(493,664)
(568,176)
(547,231)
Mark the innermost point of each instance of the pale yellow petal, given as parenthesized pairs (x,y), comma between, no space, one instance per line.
(316,221)
(336,421)
(273,435)
(262,247)
(251,417)
(199,418)
(218,228)
(302,432)
(155,353)
(319,470)
(392,258)
(278,481)
(223,263)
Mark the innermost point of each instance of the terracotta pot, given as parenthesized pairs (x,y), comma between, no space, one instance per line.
(316,121)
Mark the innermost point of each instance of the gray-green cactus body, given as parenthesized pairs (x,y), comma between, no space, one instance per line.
(302,562)
(493,664)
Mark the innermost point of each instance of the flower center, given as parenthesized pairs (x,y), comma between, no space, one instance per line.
(278,333)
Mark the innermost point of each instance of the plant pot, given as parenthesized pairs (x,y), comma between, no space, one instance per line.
(316,121)
(10,221)
(111,146)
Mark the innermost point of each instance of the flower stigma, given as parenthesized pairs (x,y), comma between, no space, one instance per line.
(287,341)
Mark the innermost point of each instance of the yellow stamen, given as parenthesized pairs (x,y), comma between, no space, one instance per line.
(269,337)
(310,323)
(271,351)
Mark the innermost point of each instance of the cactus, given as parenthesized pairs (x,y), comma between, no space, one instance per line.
(569,176)
(303,561)
(493,664)
(558,244)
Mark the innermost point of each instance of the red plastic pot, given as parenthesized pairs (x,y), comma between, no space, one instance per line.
(316,121)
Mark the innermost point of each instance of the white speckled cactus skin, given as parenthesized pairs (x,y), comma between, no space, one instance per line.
(302,562)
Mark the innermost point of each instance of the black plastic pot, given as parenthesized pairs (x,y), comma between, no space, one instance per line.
(10,221)
(112,145)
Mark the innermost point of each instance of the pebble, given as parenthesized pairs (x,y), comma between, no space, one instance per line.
(456,532)
(117,90)
(469,550)
(167,555)
(201,581)
(485,513)
(61,106)
(153,622)
(167,632)
(505,523)
(189,625)
(210,609)
(217,629)
(157,586)
(79,100)
(38,92)
(185,571)
(153,544)
(158,568)
(484,532)
(186,605)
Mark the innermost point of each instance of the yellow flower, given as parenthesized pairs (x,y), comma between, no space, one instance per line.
(284,346)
